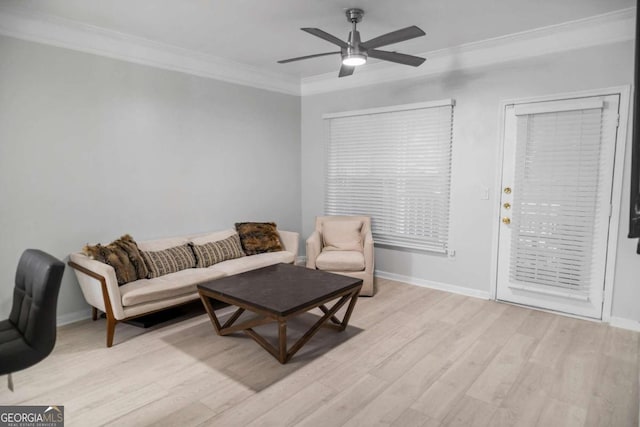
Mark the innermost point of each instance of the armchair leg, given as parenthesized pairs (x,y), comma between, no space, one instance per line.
(94,314)
(10,382)
(111,329)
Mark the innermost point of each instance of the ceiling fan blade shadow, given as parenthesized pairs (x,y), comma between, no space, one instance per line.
(400,58)
(345,70)
(325,36)
(300,58)
(393,37)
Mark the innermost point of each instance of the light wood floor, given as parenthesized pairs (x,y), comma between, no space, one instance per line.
(411,357)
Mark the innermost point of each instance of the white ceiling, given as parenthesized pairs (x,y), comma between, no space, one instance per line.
(260,32)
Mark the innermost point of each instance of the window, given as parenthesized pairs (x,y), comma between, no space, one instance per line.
(394,164)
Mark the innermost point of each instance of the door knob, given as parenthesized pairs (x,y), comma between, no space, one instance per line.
(507,190)
(506,220)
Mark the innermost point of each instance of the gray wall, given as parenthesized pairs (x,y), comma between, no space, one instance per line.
(475,157)
(92,148)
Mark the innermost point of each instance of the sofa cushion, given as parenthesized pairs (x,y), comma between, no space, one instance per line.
(340,261)
(123,255)
(259,237)
(169,260)
(168,286)
(240,265)
(215,252)
(162,244)
(342,235)
(212,237)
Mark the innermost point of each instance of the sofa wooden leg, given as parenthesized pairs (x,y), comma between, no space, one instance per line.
(94,314)
(111,329)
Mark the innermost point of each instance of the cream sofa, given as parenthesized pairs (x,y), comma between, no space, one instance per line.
(100,287)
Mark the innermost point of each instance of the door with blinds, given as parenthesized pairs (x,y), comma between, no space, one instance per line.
(556,203)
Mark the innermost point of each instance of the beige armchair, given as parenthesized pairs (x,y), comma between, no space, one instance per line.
(343,245)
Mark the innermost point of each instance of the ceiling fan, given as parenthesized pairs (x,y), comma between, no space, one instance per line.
(355,52)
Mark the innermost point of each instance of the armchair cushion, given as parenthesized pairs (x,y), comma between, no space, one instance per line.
(340,261)
(259,237)
(342,235)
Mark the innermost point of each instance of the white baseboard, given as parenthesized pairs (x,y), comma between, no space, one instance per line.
(301,260)
(621,322)
(433,285)
(76,316)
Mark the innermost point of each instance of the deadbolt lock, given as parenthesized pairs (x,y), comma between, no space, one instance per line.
(507,190)
(506,220)
(507,205)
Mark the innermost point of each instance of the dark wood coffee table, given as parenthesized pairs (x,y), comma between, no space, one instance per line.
(277,293)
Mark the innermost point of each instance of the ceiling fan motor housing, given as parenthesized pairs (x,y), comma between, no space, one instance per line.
(354,44)
(353,49)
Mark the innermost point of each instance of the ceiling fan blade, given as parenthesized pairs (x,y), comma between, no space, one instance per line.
(400,58)
(300,58)
(326,36)
(346,70)
(393,37)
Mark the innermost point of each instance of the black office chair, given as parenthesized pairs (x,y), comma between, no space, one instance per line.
(29,334)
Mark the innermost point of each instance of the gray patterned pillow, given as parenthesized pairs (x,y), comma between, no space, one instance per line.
(169,260)
(215,252)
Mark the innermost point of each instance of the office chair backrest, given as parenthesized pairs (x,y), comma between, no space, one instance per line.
(35,299)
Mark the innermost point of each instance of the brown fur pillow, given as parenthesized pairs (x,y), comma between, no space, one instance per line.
(123,255)
(259,237)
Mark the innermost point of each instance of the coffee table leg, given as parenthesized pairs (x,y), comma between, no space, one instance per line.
(334,319)
(211,312)
(352,304)
(311,332)
(282,338)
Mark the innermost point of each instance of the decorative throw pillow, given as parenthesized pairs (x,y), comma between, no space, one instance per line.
(123,255)
(169,260)
(129,245)
(259,237)
(342,235)
(215,252)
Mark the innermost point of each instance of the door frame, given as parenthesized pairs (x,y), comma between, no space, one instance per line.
(616,191)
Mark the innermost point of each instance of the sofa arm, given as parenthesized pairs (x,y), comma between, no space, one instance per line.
(290,241)
(94,278)
(314,246)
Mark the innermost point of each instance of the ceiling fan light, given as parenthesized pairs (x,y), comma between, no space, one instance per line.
(354,60)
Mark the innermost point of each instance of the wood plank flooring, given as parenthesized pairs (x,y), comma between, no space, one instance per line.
(411,357)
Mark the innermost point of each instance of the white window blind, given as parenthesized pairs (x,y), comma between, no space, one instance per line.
(395,166)
(559,198)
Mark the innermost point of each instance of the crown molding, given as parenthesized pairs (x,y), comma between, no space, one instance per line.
(597,30)
(46,29)
(602,29)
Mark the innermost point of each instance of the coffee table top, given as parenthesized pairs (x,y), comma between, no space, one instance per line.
(281,289)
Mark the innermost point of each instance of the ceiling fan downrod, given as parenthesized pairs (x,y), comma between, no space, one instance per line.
(353,55)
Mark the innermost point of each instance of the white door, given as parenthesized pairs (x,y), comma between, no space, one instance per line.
(556,203)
